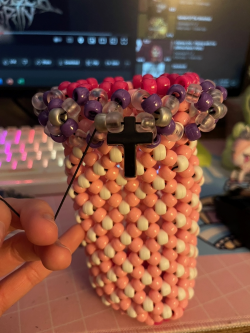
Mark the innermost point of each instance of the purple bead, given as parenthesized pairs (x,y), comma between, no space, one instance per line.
(122,97)
(59,138)
(69,127)
(45,97)
(55,103)
(93,144)
(192,132)
(43,117)
(156,142)
(178,91)
(207,85)
(168,130)
(81,95)
(201,80)
(224,92)
(204,103)
(152,103)
(91,109)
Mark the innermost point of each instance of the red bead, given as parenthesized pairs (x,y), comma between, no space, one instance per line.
(107,86)
(119,85)
(118,78)
(71,87)
(82,81)
(109,79)
(63,85)
(165,74)
(163,84)
(93,82)
(183,80)
(149,85)
(173,77)
(147,76)
(86,85)
(137,80)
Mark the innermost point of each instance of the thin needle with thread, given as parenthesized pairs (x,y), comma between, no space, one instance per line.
(74,176)
(10,207)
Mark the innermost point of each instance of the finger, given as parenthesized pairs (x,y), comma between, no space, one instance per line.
(5,220)
(17,284)
(36,218)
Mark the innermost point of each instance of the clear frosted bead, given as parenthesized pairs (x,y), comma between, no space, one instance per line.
(216,95)
(171,102)
(98,136)
(218,110)
(213,83)
(193,111)
(72,108)
(147,121)
(205,122)
(54,130)
(37,112)
(55,93)
(193,93)
(112,107)
(79,139)
(178,133)
(38,103)
(138,97)
(99,95)
(114,122)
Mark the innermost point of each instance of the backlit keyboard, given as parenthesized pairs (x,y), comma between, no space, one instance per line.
(30,162)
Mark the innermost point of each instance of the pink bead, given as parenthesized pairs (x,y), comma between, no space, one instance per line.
(194,215)
(153,230)
(170,254)
(137,272)
(184,235)
(184,106)
(147,188)
(139,297)
(137,285)
(183,260)
(151,215)
(152,245)
(194,160)
(149,85)
(150,200)
(172,303)
(170,186)
(149,175)
(105,266)
(118,271)
(132,200)
(142,317)
(188,182)
(155,296)
(117,245)
(154,259)
(183,208)
(169,200)
(158,308)
(170,214)
(125,304)
(172,268)
(170,228)
(178,312)
(99,291)
(136,244)
(172,241)
(133,231)
(122,282)
(182,117)
(134,214)
(132,185)
(99,230)
(183,304)
(115,215)
(174,292)
(119,258)
(99,215)
(185,151)
(189,172)
(166,173)
(154,271)
(157,283)
(109,288)
(187,198)
(135,259)
(149,321)
(80,199)
(170,159)
(147,160)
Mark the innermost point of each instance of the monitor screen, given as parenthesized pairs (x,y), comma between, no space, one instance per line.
(44,42)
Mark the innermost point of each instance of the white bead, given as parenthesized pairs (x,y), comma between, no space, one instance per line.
(191,273)
(195,152)
(125,238)
(164,264)
(191,250)
(84,243)
(199,207)
(159,152)
(91,235)
(193,144)
(99,169)
(195,200)
(196,252)
(180,270)
(114,298)
(67,163)
(139,168)
(124,208)
(167,312)
(142,223)
(129,291)
(109,251)
(107,223)
(181,294)
(180,246)
(131,312)
(121,181)
(190,293)
(162,237)
(148,304)
(180,191)
(83,181)
(194,227)
(198,173)
(72,193)
(158,183)
(99,281)
(165,289)
(146,278)
(96,260)
(180,220)
(78,218)
(196,272)
(202,181)
(88,263)
(144,253)
(197,231)
(105,193)
(160,207)
(105,302)
(140,194)
(115,155)
(87,208)
(127,266)
(77,152)
(182,163)
(111,275)
(91,280)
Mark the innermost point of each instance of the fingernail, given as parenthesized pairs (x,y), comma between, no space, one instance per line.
(2,232)
(49,217)
(58,243)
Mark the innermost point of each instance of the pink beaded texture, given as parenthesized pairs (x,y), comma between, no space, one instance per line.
(140,233)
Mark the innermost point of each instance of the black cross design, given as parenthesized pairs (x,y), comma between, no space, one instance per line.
(129,138)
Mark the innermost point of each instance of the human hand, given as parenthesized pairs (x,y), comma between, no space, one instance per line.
(37,248)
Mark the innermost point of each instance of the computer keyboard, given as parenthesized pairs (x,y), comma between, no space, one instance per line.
(30,162)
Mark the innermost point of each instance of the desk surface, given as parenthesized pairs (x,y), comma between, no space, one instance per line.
(66,303)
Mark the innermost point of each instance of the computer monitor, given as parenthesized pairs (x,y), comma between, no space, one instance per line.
(44,42)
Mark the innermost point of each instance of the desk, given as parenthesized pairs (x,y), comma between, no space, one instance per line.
(66,303)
